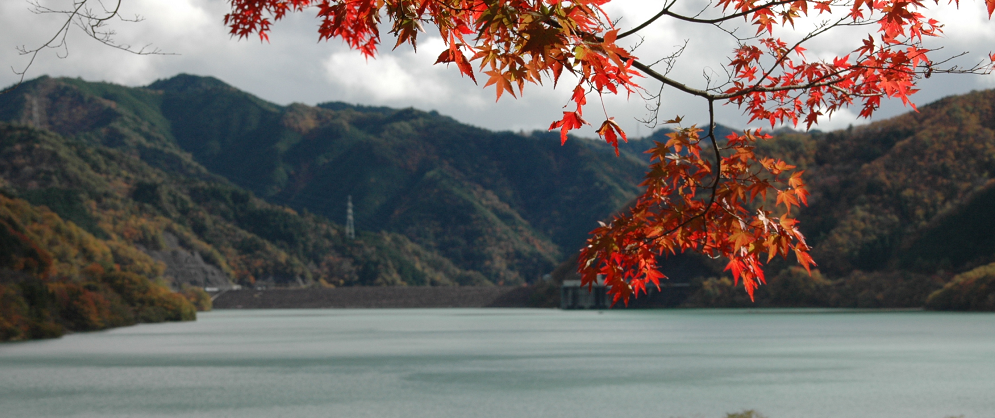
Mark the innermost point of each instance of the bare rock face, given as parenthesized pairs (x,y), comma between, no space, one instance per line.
(187,267)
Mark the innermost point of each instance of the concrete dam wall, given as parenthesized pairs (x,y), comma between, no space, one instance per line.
(376,297)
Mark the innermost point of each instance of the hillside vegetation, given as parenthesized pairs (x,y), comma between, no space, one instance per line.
(56,277)
(898,208)
(505,207)
(83,227)
(189,182)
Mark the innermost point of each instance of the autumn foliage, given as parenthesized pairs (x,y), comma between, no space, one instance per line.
(705,194)
(55,277)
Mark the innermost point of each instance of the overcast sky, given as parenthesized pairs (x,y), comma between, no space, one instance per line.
(294,67)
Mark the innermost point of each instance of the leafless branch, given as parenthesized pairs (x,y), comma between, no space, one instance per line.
(90,16)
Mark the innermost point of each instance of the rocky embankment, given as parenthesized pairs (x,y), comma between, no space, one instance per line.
(186,267)
(377,297)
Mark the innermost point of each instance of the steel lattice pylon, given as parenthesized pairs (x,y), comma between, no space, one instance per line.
(350,225)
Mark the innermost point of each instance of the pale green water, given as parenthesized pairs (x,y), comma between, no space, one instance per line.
(513,363)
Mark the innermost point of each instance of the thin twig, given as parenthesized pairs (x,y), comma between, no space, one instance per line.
(90,22)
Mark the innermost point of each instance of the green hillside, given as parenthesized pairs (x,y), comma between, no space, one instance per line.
(93,236)
(505,205)
(119,196)
(191,170)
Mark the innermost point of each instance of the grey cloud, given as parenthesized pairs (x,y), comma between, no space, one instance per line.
(295,67)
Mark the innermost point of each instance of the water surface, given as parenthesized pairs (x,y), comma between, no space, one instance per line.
(505,363)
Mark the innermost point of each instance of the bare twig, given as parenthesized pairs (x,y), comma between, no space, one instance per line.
(93,21)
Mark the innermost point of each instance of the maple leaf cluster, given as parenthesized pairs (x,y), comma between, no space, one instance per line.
(714,207)
(788,89)
(714,203)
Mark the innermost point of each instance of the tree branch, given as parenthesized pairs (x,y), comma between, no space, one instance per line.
(90,22)
(666,12)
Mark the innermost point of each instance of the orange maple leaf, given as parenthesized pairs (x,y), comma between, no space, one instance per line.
(610,131)
(570,121)
(501,82)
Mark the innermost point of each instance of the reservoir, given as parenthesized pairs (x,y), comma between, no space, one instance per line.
(513,363)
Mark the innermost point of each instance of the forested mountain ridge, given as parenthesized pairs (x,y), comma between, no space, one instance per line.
(886,193)
(897,209)
(95,225)
(508,206)
(118,197)
(84,230)
(908,193)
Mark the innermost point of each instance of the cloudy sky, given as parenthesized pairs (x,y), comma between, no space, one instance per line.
(294,67)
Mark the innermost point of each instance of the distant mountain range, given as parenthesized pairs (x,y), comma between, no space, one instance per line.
(194,182)
(222,168)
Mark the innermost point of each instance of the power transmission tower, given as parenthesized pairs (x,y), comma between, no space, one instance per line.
(350,225)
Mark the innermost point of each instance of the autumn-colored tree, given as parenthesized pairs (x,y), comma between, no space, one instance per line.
(705,194)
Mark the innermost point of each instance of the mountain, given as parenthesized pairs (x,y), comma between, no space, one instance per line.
(218,185)
(78,219)
(504,205)
(902,211)
(101,213)
(56,277)
(898,207)
(913,193)
(116,196)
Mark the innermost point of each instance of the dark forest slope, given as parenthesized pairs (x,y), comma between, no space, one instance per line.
(505,205)
(898,207)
